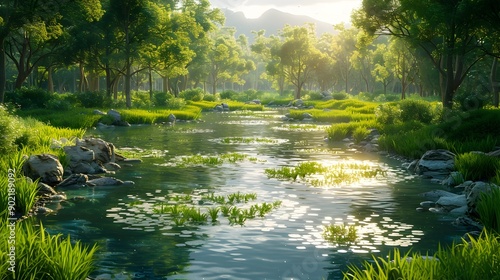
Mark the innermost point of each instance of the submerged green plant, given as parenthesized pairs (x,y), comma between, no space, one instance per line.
(340,233)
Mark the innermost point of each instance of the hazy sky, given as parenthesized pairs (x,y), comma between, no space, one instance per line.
(331,11)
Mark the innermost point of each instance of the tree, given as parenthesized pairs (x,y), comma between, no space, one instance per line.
(22,17)
(299,56)
(344,45)
(382,72)
(446,30)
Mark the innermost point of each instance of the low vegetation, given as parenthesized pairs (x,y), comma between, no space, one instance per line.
(340,234)
(464,260)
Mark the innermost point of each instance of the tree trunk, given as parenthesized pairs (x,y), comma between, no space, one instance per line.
(50,81)
(150,80)
(495,82)
(2,70)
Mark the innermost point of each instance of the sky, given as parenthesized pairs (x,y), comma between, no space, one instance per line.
(330,11)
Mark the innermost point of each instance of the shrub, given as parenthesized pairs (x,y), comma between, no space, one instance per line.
(211,97)
(176,103)
(7,130)
(340,95)
(360,133)
(388,113)
(314,95)
(160,99)
(416,110)
(228,94)
(192,94)
(29,98)
(92,99)
(477,166)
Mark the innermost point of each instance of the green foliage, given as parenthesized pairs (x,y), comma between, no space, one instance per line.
(416,110)
(43,256)
(488,210)
(141,116)
(472,125)
(477,166)
(360,133)
(340,234)
(29,98)
(192,94)
(388,113)
(92,99)
(340,95)
(176,103)
(211,97)
(320,175)
(475,260)
(228,94)
(160,99)
(76,118)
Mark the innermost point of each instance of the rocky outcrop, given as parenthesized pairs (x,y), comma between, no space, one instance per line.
(436,164)
(473,193)
(116,118)
(45,167)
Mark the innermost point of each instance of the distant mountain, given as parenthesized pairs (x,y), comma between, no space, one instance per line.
(272,21)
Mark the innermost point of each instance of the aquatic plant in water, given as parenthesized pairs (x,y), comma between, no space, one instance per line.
(182,213)
(211,160)
(340,233)
(335,174)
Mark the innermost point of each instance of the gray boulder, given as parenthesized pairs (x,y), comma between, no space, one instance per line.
(436,163)
(74,181)
(473,194)
(171,118)
(46,167)
(115,115)
(44,189)
(104,181)
(103,151)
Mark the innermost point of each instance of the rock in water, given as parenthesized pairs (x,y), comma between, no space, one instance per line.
(46,167)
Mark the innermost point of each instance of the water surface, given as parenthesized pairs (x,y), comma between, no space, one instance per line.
(137,243)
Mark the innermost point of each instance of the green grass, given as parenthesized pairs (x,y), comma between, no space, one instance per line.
(77,118)
(477,166)
(475,260)
(211,160)
(43,256)
(233,105)
(142,116)
(489,210)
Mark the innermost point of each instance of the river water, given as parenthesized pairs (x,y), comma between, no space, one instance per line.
(135,242)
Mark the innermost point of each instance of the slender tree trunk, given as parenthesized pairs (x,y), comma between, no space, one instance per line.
(150,80)
(495,82)
(2,69)
(50,80)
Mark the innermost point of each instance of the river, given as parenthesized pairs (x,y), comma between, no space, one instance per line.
(135,242)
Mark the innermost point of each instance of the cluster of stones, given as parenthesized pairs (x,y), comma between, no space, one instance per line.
(88,160)
(460,198)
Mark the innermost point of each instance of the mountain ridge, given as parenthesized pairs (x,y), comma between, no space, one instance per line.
(272,21)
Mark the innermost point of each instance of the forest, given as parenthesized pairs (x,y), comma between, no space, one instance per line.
(336,135)
(448,50)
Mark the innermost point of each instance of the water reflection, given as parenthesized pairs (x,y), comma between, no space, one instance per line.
(287,243)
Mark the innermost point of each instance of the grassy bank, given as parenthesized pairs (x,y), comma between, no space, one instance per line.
(38,255)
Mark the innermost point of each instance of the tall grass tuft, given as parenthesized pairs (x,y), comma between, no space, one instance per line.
(475,260)
(477,166)
(43,256)
(489,210)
